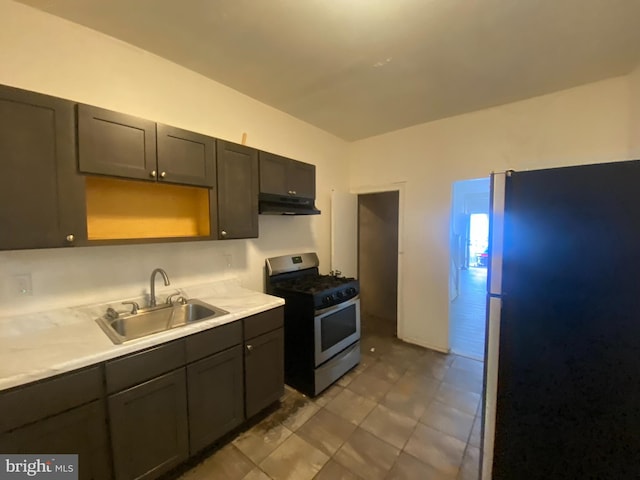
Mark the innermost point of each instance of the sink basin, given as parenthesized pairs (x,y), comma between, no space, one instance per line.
(148,321)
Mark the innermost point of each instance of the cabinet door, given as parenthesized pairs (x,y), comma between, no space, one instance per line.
(237,191)
(216,397)
(186,157)
(264,370)
(273,174)
(112,143)
(287,177)
(41,194)
(80,431)
(302,179)
(149,432)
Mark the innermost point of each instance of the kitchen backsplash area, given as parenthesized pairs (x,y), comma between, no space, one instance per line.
(62,277)
(40,280)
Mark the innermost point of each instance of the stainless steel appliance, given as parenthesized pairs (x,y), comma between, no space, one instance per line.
(322,321)
(562,371)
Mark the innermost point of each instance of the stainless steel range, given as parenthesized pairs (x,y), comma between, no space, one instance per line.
(322,321)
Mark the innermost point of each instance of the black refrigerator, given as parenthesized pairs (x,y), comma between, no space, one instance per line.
(562,369)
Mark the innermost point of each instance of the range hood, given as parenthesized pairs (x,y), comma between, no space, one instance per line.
(280,205)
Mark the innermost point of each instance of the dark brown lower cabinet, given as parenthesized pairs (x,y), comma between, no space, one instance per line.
(149,430)
(264,370)
(81,431)
(163,404)
(216,396)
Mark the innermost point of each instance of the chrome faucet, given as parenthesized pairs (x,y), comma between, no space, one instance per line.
(152,298)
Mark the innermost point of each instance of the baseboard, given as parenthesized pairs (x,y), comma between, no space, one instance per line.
(420,343)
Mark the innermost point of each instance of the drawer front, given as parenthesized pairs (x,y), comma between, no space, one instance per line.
(39,400)
(263,322)
(139,367)
(213,341)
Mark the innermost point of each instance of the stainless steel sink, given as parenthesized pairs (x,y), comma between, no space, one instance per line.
(147,321)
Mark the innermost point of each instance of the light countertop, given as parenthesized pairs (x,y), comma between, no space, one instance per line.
(40,345)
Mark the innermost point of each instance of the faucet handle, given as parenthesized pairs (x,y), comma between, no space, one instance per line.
(134,307)
(169,300)
(182,300)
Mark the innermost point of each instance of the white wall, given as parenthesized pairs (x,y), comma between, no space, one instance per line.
(43,53)
(587,124)
(46,54)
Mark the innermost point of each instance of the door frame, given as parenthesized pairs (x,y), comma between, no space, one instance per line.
(400,188)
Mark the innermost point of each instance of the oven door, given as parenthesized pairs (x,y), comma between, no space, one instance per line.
(336,328)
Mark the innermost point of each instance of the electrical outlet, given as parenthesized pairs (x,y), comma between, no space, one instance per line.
(228,259)
(22,284)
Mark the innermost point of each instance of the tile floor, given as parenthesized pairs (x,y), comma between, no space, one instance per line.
(403,413)
(467,314)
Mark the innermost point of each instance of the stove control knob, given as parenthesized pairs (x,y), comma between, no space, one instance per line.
(327,300)
(340,295)
(351,291)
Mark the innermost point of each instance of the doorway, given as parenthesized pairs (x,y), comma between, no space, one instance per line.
(478,254)
(468,267)
(378,216)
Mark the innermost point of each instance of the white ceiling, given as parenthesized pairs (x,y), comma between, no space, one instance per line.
(359,68)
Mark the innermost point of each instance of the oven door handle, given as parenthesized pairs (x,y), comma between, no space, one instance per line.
(335,308)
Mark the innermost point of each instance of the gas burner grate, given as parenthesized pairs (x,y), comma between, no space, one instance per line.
(313,284)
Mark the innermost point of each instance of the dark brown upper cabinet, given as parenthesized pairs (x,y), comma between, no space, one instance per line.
(41,196)
(116,144)
(286,177)
(186,157)
(112,143)
(237,191)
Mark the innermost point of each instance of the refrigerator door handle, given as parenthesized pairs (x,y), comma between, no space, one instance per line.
(496,232)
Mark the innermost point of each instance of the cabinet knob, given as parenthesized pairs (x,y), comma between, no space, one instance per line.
(223,233)
(153,174)
(292,192)
(70,238)
(249,348)
(163,174)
